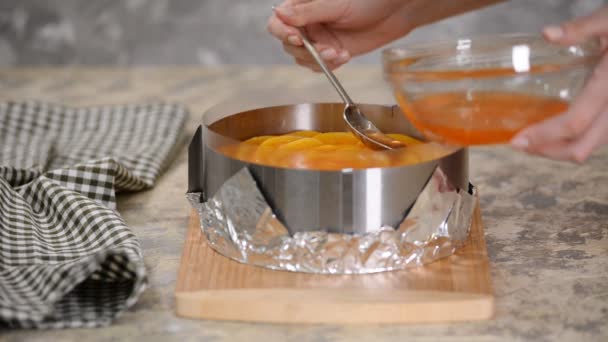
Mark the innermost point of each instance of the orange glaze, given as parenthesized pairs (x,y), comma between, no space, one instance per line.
(448,75)
(476,118)
(329,151)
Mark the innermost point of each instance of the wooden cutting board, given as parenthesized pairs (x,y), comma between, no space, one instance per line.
(211,286)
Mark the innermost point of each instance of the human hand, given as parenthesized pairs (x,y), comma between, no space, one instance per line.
(575,134)
(339,29)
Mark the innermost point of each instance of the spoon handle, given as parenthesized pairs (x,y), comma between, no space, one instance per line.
(330,75)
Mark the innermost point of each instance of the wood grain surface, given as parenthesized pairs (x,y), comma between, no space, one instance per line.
(210,286)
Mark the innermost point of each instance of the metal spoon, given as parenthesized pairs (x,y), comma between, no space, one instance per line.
(364,129)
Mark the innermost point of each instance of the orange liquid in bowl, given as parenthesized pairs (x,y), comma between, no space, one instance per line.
(330,151)
(478,118)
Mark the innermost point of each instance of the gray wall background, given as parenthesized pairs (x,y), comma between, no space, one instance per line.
(208,32)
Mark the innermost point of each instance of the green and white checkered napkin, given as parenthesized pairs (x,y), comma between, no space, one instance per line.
(67,259)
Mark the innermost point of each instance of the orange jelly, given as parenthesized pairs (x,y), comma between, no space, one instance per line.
(329,151)
(476,118)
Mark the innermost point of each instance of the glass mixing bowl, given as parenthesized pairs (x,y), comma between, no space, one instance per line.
(483,90)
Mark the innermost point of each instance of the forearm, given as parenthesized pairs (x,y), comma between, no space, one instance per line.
(424,12)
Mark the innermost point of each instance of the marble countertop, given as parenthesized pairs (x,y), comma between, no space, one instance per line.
(546,222)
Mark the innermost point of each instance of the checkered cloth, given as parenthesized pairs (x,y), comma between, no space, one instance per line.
(67,259)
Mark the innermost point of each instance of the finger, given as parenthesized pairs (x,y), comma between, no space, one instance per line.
(581,114)
(532,138)
(321,35)
(322,38)
(301,13)
(580,149)
(308,64)
(328,54)
(312,65)
(604,44)
(579,29)
(315,67)
(596,136)
(284,33)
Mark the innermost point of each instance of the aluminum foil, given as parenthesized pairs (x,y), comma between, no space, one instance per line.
(239,224)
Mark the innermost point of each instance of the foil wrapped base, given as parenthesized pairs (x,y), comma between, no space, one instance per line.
(239,224)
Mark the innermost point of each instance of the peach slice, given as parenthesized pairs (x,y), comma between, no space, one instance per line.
(407,140)
(301,144)
(305,134)
(279,140)
(337,138)
(257,140)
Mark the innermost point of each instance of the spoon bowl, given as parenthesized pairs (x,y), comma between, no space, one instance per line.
(366,131)
(360,125)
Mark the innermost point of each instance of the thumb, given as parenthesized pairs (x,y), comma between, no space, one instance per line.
(580,29)
(299,13)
